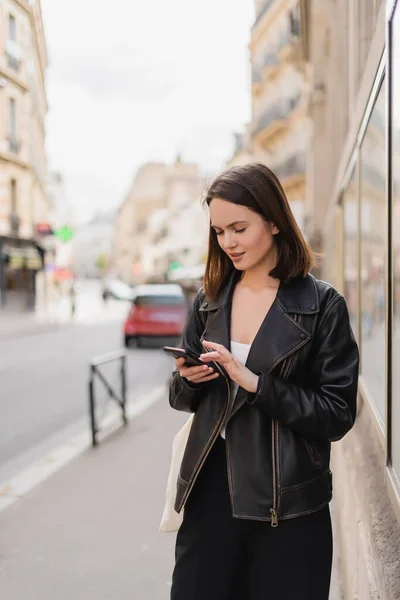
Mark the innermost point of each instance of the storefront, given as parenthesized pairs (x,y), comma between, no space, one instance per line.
(20,262)
(367,462)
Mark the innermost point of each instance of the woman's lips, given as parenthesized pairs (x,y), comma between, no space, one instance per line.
(236,257)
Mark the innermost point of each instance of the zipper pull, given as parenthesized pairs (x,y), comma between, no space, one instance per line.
(274,518)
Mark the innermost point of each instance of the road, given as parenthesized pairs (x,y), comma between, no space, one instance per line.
(44,378)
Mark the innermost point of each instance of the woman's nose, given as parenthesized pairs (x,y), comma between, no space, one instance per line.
(229,243)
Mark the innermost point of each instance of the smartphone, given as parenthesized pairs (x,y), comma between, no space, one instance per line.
(191,359)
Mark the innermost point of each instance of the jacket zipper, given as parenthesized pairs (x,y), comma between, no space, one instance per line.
(275,449)
(210,445)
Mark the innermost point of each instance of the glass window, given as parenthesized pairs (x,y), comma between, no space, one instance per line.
(396,244)
(12,117)
(373,256)
(350,227)
(12,28)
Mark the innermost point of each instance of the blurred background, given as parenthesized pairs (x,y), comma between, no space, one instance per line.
(113,121)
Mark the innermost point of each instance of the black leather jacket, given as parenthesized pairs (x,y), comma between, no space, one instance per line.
(277,440)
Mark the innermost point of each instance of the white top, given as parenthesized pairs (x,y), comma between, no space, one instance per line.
(241,352)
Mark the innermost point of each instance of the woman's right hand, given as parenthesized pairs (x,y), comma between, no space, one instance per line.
(195,374)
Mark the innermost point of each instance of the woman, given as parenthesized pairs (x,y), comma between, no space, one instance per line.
(255,480)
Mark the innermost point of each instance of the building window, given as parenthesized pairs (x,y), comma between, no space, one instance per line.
(395,157)
(14,218)
(12,125)
(13,196)
(12,28)
(12,49)
(373,257)
(350,230)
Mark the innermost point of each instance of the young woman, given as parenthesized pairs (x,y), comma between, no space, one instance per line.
(255,481)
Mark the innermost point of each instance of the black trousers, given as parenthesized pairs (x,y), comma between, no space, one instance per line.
(222,558)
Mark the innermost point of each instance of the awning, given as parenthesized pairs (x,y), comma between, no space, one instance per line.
(19,253)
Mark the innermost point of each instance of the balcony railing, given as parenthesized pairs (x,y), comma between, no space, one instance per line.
(292,33)
(279,111)
(270,59)
(267,4)
(294,165)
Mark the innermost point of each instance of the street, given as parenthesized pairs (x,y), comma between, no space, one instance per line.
(44,397)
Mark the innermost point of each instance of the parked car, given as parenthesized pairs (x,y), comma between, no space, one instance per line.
(158,310)
(117,290)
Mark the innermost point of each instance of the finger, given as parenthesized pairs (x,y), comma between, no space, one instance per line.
(211,356)
(190,371)
(179,362)
(219,348)
(196,376)
(205,379)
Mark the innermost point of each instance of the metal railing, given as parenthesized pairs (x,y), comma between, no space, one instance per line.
(263,10)
(294,165)
(278,111)
(118,396)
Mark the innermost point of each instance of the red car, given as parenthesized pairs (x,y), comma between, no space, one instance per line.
(157,311)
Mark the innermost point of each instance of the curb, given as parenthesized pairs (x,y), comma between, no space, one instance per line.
(22,483)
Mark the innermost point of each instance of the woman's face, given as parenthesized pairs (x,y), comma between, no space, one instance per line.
(243,234)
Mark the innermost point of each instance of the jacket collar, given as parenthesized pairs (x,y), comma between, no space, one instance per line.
(297,296)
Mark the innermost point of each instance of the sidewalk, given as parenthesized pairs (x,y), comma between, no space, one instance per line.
(21,325)
(90,532)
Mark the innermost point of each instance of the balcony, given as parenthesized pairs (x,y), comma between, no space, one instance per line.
(270,59)
(267,4)
(274,118)
(288,39)
(292,170)
(13,144)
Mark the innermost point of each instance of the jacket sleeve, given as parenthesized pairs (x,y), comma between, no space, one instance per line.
(183,395)
(327,408)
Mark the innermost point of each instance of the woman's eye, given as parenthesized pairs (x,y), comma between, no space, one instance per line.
(240,230)
(218,232)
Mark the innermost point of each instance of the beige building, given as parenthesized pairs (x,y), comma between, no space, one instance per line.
(152,230)
(353,204)
(23,108)
(278,134)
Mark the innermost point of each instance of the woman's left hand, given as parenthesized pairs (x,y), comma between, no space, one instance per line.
(237,371)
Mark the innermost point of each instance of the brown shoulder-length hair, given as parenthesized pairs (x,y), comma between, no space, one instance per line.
(257,187)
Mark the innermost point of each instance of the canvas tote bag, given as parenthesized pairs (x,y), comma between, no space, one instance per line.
(171,520)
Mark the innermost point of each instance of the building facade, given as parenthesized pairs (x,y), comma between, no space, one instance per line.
(91,247)
(353,53)
(279,130)
(23,108)
(161,222)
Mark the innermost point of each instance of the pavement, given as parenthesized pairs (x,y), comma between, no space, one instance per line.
(14,326)
(90,530)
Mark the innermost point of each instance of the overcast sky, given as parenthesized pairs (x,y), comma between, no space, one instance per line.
(137,80)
